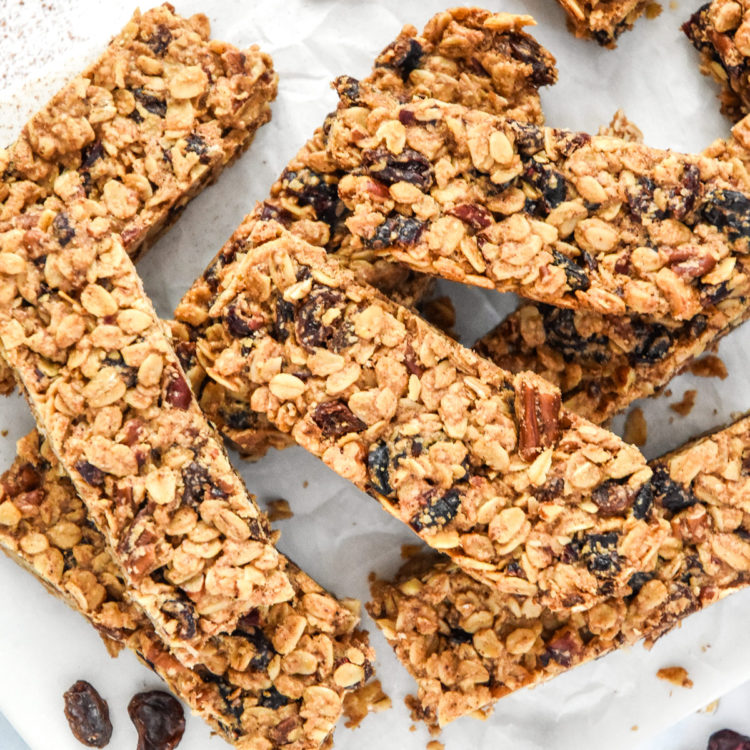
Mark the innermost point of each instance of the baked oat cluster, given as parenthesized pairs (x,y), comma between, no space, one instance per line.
(554,540)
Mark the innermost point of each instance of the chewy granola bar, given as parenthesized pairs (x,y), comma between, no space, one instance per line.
(577,221)
(139,133)
(602,20)
(276,682)
(481,464)
(466,646)
(603,363)
(720,31)
(464,55)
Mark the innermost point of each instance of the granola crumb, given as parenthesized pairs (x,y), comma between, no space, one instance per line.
(4,433)
(370,698)
(636,428)
(668,393)
(441,313)
(634,728)
(410,550)
(435,745)
(709,366)
(710,708)
(372,576)
(653,10)
(676,675)
(413,728)
(673,5)
(305,484)
(686,404)
(279,510)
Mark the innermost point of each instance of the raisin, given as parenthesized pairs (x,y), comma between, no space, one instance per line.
(549,182)
(311,331)
(150,103)
(712,294)
(196,145)
(397,230)
(184,613)
(562,647)
(159,40)
(728,739)
(644,501)
(568,142)
(264,650)
(612,498)
(62,229)
(640,197)
(240,326)
(178,392)
(562,336)
(25,479)
(91,153)
(88,714)
(575,275)
(457,635)
(378,464)
(158,718)
(336,419)
(653,342)
(529,138)
(408,166)
(196,483)
(477,217)
(636,582)
(600,551)
(91,474)
(670,494)
(348,90)
(313,189)
(437,512)
(728,210)
(137,118)
(284,316)
(403,56)
(528,50)
(681,201)
(272,698)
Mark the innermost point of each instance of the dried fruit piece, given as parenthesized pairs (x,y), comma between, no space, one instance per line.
(158,718)
(335,419)
(87,714)
(728,739)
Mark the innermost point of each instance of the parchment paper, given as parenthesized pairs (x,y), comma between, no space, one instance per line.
(338,534)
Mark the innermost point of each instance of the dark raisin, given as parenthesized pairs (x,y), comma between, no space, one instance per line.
(336,419)
(178,391)
(600,551)
(316,190)
(159,720)
(437,512)
(681,200)
(653,342)
(272,698)
(264,650)
(549,182)
(239,325)
(728,739)
(281,324)
(137,118)
(91,153)
(562,647)
(397,230)
(150,103)
(196,483)
(460,636)
(572,551)
(269,212)
(62,229)
(197,145)
(529,138)
(562,336)
(712,294)
(636,582)
(728,210)
(477,217)
(88,714)
(239,417)
(184,613)
(378,464)
(90,474)
(312,332)
(348,90)
(612,498)
(568,142)
(575,275)
(408,166)
(528,50)
(403,55)
(644,501)
(640,198)
(670,494)
(159,40)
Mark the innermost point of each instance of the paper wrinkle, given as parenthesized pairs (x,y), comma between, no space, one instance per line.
(338,534)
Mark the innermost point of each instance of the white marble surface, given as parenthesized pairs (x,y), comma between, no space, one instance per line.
(337,534)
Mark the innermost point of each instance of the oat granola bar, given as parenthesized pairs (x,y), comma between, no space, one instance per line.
(131,138)
(280,683)
(466,646)
(720,31)
(603,363)
(602,20)
(577,221)
(481,464)
(465,55)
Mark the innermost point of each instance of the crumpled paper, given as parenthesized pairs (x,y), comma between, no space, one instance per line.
(338,534)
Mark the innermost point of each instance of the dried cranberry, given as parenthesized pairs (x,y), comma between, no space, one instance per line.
(336,419)
(408,166)
(397,230)
(178,391)
(563,648)
(438,509)
(159,719)
(728,739)
(475,216)
(378,464)
(88,714)
(575,275)
(91,474)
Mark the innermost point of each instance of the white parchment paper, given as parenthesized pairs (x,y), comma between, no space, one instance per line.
(338,534)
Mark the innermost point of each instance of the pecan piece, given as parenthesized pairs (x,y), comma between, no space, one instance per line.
(538,415)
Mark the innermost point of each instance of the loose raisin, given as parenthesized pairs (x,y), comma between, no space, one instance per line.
(408,166)
(336,419)
(87,714)
(159,720)
(728,739)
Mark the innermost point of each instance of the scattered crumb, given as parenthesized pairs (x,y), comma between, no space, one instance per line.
(653,10)
(735,415)
(4,433)
(370,698)
(441,313)
(685,406)
(668,393)
(372,576)
(305,484)
(636,429)
(634,728)
(278,510)
(711,707)
(673,4)
(709,366)
(413,728)
(435,745)
(410,550)
(676,675)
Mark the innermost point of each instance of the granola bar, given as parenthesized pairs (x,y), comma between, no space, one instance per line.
(466,646)
(481,464)
(720,31)
(124,137)
(572,220)
(602,20)
(465,55)
(281,683)
(603,363)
